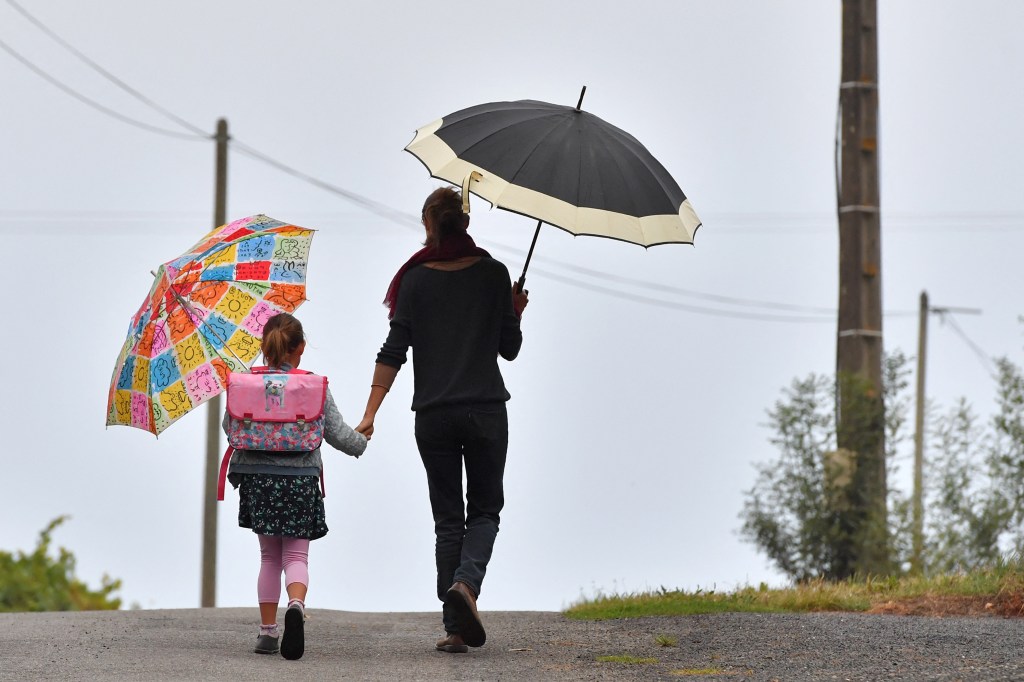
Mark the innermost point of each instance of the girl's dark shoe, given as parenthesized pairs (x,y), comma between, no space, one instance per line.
(452,644)
(462,602)
(265,644)
(293,642)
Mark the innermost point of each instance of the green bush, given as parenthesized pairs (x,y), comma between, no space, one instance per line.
(39,582)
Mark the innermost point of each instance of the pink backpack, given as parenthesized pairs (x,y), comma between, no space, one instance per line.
(275,411)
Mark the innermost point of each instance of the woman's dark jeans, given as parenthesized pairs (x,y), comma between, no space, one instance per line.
(465,532)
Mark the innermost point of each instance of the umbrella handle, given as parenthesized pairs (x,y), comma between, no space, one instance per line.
(522,278)
(472,175)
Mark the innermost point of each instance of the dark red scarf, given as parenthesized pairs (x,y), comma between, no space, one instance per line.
(453,247)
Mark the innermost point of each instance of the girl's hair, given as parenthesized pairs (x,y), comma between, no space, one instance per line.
(444,206)
(281,336)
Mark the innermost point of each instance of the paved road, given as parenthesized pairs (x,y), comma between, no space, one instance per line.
(215,644)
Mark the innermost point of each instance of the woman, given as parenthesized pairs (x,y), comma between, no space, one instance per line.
(454,305)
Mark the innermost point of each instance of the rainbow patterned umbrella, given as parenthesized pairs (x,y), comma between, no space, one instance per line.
(204,318)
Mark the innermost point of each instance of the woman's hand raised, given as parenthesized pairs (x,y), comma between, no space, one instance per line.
(520,299)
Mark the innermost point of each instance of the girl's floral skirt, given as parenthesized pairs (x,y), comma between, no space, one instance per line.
(291,506)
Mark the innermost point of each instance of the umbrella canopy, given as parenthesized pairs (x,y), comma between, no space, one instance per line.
(560,165)
(204,317)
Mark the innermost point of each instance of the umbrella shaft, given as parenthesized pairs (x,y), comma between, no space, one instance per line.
(522,278)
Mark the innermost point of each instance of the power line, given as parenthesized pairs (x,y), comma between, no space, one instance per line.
(106,74)
(92,103)
(679,291)
(715,312)
(763,218)
(410,221)
(376,207)
(373,206)
(976,220)
(986,362)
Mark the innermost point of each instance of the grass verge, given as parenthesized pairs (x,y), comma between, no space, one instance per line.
(998,590)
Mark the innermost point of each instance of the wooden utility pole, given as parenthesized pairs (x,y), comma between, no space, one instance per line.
(860,411)
(917,510)
(213,415)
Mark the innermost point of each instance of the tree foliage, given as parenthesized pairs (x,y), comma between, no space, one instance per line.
(973,487)
(40,582)
(1007,451)
(789,513)
(965,510)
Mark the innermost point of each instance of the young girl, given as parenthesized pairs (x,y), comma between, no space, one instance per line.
(280,500)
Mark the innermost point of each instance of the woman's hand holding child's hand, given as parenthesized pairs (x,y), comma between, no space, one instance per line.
(365,427)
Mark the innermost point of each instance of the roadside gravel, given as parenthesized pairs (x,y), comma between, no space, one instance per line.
(216,644)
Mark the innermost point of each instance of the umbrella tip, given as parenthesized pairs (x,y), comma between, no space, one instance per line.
(580,103)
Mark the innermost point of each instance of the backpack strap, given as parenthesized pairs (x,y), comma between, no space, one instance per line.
(263,369)
(223,473)
(222,477)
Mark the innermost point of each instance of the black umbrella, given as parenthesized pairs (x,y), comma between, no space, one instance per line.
(561,165)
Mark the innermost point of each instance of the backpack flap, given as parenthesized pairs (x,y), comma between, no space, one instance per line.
(276,411)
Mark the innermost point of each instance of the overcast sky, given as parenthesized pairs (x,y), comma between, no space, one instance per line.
(638,401)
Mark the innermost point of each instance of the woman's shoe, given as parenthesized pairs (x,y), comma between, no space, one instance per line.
(452,644)
(462,602)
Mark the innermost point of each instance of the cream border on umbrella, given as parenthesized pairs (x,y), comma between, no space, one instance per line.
(443,163)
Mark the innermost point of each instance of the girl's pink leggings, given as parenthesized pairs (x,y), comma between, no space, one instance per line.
(277,554)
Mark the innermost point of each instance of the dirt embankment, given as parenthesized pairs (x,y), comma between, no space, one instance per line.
(1007,605)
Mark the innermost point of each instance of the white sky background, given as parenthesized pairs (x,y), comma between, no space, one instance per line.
(634,427)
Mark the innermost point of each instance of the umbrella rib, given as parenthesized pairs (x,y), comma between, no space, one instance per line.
(526,158)
(192,312)
(204,284)
(221,247)
(549,133)
(206,254)
(653,166)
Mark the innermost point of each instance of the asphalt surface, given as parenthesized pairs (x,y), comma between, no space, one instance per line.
(216,644)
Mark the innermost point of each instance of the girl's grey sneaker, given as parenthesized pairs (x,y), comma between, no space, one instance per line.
(266,644)
(293,643)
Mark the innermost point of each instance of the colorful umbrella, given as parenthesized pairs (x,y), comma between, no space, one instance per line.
(204,318)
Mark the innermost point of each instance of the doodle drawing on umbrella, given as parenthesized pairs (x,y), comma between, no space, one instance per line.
(204,317)
(560,165)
